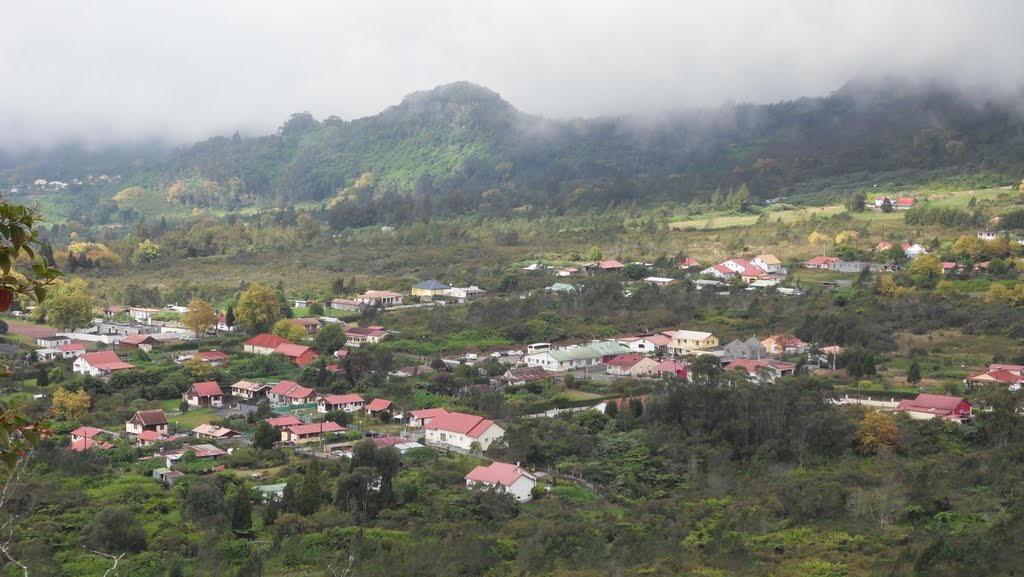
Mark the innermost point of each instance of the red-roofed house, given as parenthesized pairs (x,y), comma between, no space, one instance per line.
(631,365)
(297,354)
(785,344)
(462,431)
(146,438)
(84,433)
(998,374)
(671,369)
(99,364)
(903,203)
(506,477)
(348,403)
(141,342)
(205,394)
(263,344)
(762,369)
(311,433)
(290,393)
(422,417)
(821,262)
(377,406)
(936,406)
(282,422)
(747,271)
(152,420)
(688,262)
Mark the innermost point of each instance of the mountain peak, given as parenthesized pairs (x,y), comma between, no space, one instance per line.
(461,92)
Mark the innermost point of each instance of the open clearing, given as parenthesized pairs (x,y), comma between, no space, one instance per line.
(712,222)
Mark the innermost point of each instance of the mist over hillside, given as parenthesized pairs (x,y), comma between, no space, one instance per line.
(461,148)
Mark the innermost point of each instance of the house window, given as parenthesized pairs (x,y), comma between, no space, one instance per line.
(444,437)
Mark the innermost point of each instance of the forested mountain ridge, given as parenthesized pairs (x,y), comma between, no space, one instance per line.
(465,137)
(461,148)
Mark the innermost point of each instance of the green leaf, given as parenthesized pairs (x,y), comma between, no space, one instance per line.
(40,293)
(11,459)
(5,262)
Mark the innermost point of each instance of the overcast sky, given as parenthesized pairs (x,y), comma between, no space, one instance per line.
(185,70)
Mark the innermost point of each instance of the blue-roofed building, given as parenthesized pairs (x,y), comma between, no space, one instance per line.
(429,288)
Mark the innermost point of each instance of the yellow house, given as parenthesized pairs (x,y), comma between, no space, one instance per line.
(429,288)
(685,342)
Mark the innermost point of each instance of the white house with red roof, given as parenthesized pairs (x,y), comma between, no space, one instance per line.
(821,262)
(205,394)
(99,364)
(631,365)
(72,350)
(263,344)
(935,407)
(747,271)
(422,417)
(462,430)
(505,477)
(1010,376)
(291,393)
(903,203)
(310,433)
(349,403)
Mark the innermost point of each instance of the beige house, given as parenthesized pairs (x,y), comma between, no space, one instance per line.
(380,298)
(311,433)
(462,431)
(686,342)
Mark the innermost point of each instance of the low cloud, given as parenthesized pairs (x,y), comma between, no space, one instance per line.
(103,72)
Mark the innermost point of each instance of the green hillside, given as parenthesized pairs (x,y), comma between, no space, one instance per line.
(461,148)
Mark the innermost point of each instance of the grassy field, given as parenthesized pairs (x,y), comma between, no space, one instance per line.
(715,222)
(580,395)
(960,199)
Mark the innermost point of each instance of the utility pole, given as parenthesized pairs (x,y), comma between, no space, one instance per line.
(259,557)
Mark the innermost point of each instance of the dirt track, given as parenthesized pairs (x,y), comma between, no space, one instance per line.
(29,329)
